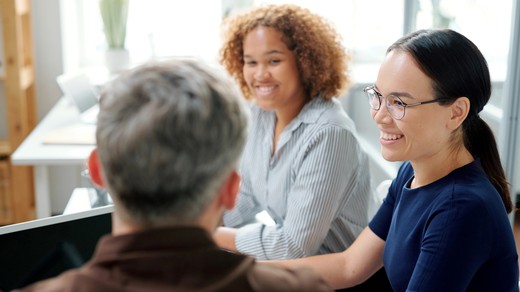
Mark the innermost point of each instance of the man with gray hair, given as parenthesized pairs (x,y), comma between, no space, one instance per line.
(169,137)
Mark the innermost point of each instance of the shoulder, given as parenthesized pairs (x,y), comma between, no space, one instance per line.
(471,185)
(264,277)
(327,119)
(469,193)
(331,112)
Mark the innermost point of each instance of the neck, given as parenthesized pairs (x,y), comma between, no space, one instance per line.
(431,170)
(123,224)
(285,115)
(120,226)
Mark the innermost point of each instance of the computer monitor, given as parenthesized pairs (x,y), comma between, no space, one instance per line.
(78,88)
(44,248)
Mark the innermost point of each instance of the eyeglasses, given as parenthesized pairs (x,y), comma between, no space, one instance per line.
(395,106)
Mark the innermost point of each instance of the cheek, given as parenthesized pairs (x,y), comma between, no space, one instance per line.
(373,113)
(246,74)
(422,135)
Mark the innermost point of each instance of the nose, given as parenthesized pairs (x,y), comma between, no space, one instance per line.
(261,72)
(382,116)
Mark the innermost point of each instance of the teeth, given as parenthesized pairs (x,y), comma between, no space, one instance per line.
(265,89)
(390,136)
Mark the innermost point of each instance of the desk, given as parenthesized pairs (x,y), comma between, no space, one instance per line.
(79,201)
(35,153)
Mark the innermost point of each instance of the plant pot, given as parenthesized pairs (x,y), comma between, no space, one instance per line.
(117,60)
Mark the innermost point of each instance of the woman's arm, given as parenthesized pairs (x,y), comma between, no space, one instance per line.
(348,268)
(225,238)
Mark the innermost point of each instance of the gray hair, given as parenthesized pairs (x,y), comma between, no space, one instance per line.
(168,136)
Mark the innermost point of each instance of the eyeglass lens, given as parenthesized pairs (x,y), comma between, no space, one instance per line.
(393,104)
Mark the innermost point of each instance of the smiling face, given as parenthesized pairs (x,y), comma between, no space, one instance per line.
(423,134)
(271,72)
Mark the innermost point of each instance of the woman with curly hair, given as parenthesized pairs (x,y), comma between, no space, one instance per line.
(302,163)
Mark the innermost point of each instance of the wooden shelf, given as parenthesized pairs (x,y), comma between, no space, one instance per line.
(26,77)
(5,201)
(16,182)
(5,149)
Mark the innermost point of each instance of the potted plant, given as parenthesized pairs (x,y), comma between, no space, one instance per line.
(114,14)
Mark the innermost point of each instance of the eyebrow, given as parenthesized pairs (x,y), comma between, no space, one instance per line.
(396,93)
(266,54)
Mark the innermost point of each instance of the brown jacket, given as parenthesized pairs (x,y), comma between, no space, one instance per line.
(176,259)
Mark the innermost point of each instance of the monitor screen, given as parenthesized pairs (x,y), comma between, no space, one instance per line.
(44,248)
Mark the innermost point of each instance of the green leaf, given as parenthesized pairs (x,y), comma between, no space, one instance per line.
(114,14)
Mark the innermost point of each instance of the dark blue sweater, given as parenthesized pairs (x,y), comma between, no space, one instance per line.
(451,235)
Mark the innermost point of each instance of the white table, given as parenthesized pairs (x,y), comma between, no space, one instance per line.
(34,152)
(79,201)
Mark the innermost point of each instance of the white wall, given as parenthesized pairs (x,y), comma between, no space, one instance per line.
(48,54)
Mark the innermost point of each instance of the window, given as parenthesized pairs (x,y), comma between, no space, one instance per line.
(155,29)
(162,28)
(165,28)
(486,23)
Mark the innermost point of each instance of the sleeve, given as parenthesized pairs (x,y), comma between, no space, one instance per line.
(380,224)
(456,242)
(329,164)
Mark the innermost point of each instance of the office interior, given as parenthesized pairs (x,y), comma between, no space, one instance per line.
(67,37)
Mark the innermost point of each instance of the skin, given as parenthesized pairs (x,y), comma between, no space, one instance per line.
(271,74)
(423,136)
(428,135)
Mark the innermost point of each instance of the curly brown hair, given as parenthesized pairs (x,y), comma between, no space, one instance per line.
(320,56)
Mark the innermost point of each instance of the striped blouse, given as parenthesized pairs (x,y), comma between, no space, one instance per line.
(315,187)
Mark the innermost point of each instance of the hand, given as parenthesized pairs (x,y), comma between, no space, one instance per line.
(225,238)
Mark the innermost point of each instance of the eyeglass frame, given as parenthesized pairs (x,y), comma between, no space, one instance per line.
(403,104)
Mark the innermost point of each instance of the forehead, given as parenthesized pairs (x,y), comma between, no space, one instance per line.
(400,73)
(264,38)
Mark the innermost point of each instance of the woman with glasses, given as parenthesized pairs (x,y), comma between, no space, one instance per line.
(302,163)
(443,225)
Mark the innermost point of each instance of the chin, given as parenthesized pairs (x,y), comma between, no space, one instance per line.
(264,105)
(391,158)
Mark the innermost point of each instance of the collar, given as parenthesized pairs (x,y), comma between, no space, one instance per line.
(310,112)
(154,239)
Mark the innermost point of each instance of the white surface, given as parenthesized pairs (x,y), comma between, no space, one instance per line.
(55,219)
(79,201)
(34,152)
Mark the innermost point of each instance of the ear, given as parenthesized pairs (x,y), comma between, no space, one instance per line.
(229,190)
(459,112)
(94,169)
